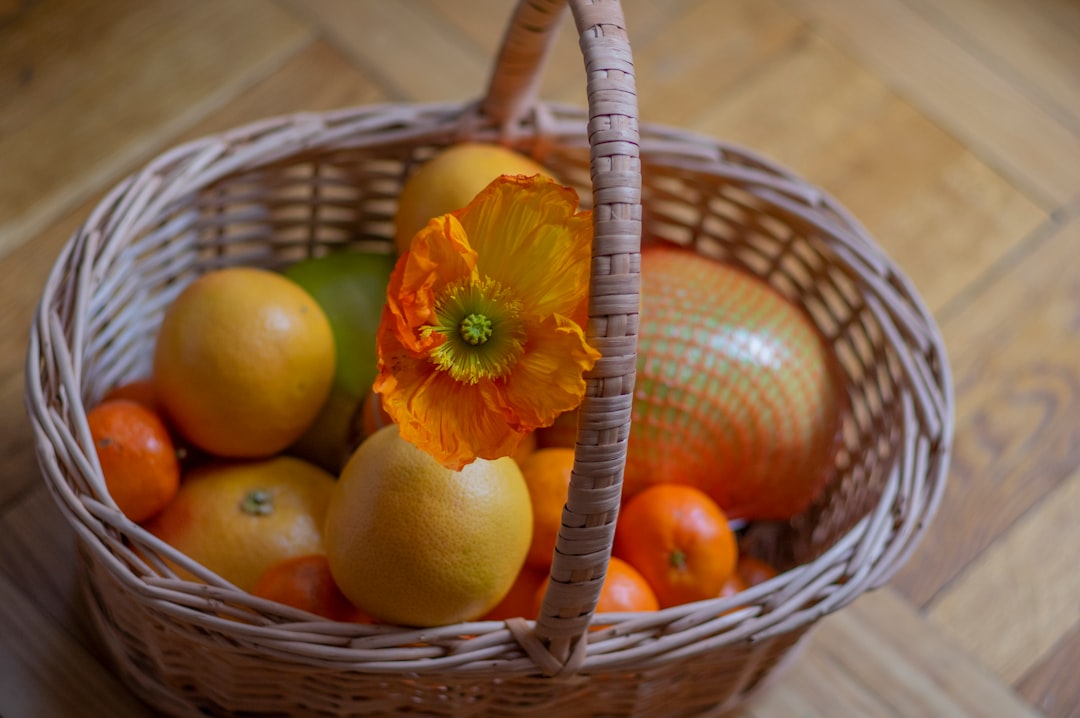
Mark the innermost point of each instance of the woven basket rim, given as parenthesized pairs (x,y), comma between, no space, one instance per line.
(89,509)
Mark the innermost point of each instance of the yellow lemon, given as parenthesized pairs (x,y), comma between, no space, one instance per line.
(450,180)
(414,543)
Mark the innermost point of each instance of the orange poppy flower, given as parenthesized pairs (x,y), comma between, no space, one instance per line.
(478,344)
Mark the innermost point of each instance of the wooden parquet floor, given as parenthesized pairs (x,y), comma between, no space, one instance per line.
(950,128)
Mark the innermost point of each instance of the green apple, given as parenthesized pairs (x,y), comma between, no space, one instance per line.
(351,289)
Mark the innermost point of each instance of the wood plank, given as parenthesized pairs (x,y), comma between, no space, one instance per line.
(481,29)
(702,53)
(1015,353)
(817,687)
(878,657)
(939,212)
(1040,61)
(723,41)
(37,548)
(44,672)
(292,89)
(1001,124)
(486,21)
(99,84)
(1053,685)
(562,77)
(407,50)
(1035,602)
(25,269)
(673,43)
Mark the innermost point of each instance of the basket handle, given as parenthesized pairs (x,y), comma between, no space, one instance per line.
(579,564)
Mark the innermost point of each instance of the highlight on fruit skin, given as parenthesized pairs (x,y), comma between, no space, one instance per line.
(477,345)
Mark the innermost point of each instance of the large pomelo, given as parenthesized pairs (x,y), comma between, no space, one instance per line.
(737,392)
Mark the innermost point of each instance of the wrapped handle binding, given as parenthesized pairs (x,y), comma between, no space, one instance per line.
(588,523)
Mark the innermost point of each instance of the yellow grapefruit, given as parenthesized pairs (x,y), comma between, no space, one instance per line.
(414,543)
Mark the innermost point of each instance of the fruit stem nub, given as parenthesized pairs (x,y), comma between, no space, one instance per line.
(257,502)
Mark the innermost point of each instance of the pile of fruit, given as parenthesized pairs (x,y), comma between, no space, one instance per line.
(258,449)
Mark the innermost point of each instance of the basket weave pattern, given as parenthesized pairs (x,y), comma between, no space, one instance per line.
(272,192)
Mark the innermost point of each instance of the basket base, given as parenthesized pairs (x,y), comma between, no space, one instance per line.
(140,671)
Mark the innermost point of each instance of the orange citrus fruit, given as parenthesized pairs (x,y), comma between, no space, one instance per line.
(304,582)
(144,391)
(680,541)
(243,363)
(525,447)
(137,457)
(372,417)
(563,432)
(732,584)
(753,570)
(240,518)
(141,391)
(450,180)
(547,474)
(415,543)
(625,590)
(520,601)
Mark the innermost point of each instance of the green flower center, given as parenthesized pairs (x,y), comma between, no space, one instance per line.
(483,330)
(475,329)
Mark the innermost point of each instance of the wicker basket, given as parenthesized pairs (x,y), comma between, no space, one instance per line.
(272,192)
